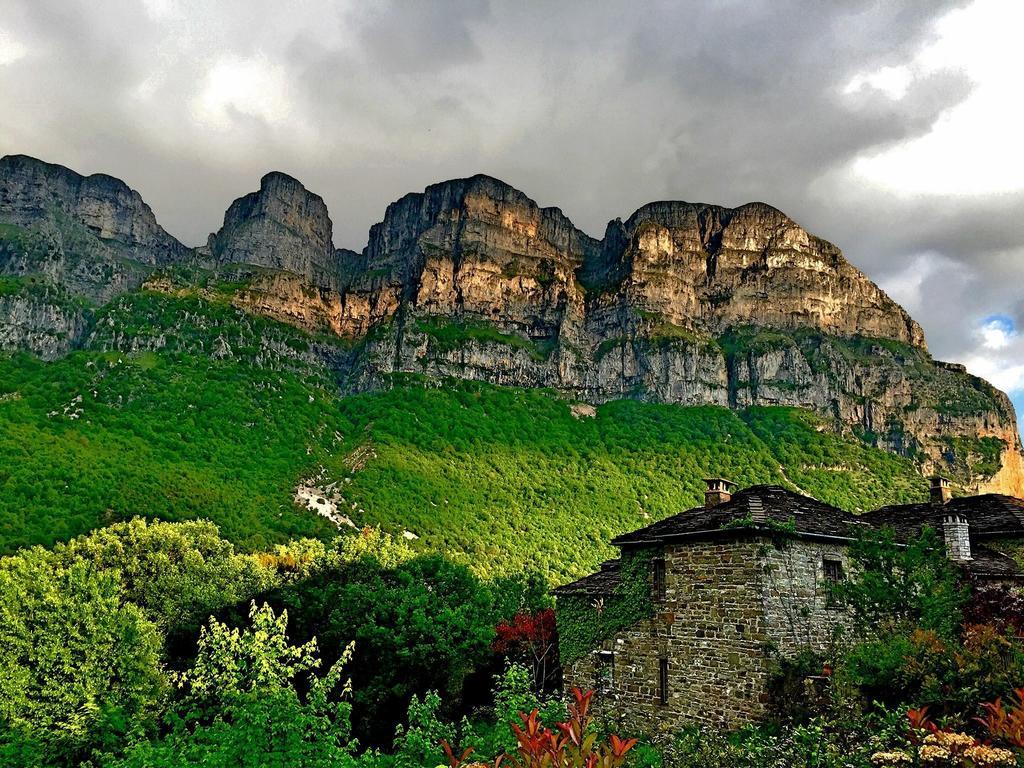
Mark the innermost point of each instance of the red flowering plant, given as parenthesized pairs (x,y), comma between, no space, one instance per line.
(572,744)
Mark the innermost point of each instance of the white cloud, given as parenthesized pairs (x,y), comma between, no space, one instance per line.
(973,148)
(997,333)
(233,86)
(10,49)
(892,81)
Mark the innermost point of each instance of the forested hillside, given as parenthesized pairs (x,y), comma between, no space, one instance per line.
(151,421)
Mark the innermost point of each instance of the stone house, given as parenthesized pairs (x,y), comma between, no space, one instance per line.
(681,628)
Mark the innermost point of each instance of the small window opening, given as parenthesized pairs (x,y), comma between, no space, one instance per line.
(605,677)
(833,570)
(663,680)
(659,579)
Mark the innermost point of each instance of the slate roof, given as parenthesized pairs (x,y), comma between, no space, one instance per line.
(988,564)
(991,515)
(598,584)
(761,505)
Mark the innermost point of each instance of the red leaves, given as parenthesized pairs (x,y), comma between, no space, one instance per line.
(530,637)
(919,720)
(1005,723)
(454,761)
(525,631)
(621,746)
(571,745)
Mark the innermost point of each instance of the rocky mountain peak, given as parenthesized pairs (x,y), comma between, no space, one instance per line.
(686,303)
(711,268)
(43,195)
(281,226)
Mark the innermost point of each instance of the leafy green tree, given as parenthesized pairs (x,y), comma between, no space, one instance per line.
(912,585)
(418,742)
(242,704)
(423,624)
(79,666)
(178,573)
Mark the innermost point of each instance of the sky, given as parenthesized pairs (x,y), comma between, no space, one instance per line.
(889,128)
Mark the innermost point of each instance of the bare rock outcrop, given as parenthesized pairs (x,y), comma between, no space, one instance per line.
(682,303)
(38,194)
(281,226)
(46,326)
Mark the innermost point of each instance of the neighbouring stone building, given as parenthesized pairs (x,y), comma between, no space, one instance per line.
(682,627)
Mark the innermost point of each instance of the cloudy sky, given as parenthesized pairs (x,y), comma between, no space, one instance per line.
(891,128)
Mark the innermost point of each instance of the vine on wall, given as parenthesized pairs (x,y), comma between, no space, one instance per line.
(584,623)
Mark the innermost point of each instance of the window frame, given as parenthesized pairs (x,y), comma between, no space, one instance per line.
(832,569)
(659,580)
(604,682)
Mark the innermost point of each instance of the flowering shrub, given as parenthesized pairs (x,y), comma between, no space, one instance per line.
(572,745)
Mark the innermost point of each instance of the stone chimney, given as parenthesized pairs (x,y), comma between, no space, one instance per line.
(958,536)
(718,491)
(940,492)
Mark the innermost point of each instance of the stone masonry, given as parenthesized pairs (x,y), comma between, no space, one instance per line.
(727,604)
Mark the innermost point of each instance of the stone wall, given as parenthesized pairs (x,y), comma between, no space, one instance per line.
(795,596)
(727,603)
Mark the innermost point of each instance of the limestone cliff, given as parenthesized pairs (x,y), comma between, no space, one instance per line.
(92,235)
(46,325)
(680,303)
(281,226)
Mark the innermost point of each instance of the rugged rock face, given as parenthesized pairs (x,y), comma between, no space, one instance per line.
(712,268)
(47,327)
(680,303)
(92,236)
(38,194)
(281,226)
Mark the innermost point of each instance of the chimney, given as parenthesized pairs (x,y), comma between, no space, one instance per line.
(940,491)
(717,491)
(958,536)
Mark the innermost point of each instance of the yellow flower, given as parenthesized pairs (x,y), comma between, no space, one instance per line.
(892,759)
(982,756)
(933,754)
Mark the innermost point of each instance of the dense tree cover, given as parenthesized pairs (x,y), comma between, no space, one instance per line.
(177,573)
(925,635)
(97,438)
(422,624)
(93,632)
(231,413)
(511,476)
(79,666)
(251,698)
(495,476)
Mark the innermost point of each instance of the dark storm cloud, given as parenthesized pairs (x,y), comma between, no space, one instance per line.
(596,107)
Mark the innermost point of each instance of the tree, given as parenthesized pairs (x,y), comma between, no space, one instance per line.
(79,666)
(911,585)
(424,624)
(241,704)
(178,573)
(531,638)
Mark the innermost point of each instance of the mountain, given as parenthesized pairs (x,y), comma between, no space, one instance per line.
(681,304)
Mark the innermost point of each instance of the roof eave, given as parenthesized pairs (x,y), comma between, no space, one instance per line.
(716,532)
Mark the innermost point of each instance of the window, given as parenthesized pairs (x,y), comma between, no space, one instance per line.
(663,680)
(833,570)
(659,579)
(605,672)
